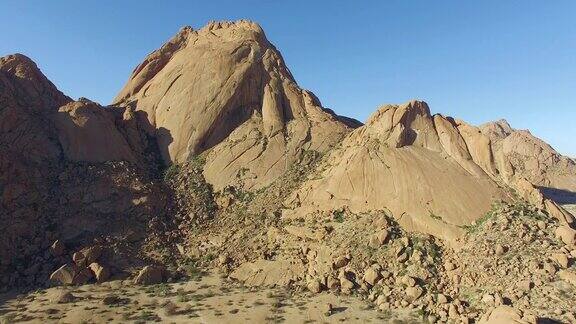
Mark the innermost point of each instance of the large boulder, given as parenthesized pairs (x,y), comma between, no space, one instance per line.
(566,234)
(150,275)
(505,315)
(101,273)
(70,274)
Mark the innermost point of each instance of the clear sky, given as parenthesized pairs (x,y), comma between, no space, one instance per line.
(475,60)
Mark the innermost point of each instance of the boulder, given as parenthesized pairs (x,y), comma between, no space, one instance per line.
(504,315)
(409,281)
(71,274)
(63,297)
(86,256)
(101,273)
(413,293)
(566,234)
(150,275)
(441,299)
(561,259)
(58,248)
(314,286)
(488,299)
(379,238)
(499,250)
(327,309)
(568,276)
(340,261)
(83,276)
(371,276)
(64,275)
(346,284)
(333,283)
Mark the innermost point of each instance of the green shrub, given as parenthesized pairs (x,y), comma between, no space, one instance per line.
(171,172)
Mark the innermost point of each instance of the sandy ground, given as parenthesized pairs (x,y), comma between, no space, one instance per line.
(207,300)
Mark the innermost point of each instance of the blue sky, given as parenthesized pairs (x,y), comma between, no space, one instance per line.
(475,60)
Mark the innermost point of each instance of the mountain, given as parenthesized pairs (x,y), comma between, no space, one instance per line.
(435,174)
(412,163)
(213,158)
(226,89)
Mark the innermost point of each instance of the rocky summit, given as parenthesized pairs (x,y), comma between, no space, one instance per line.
(213,170)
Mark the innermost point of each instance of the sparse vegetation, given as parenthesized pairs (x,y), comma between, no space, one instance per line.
(171,172)
(161,290)
(338,215)
(191,269)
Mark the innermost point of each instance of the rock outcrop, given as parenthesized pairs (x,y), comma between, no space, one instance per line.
(532,158)
(414,164)
(227,89)
(435,174)
(69,170)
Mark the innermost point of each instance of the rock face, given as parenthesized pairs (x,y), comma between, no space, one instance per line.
(531,166)
(89,132)
(532,158)
(68,170)
(414,164)
(435,174)
(226,88)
